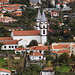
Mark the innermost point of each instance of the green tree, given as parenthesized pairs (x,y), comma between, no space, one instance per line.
(1,45)
(64,58)
(72,57)
(33,43)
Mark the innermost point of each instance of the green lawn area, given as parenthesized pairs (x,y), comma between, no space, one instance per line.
(63,68)
(3,63)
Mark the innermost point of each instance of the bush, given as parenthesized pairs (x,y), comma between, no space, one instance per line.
(48,57)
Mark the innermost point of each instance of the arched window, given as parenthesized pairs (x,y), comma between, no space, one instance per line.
(43,26)
(43,31)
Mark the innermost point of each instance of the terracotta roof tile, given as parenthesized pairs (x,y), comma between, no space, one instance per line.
(36,54)
(20,48)
(60,46)
(62,51)
(1,69)
(48,68)
(28,32)
(9,42)
(39,48)
(54,52)
(6,38)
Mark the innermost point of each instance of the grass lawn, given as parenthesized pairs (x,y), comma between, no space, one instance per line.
(3,63)
(63,68)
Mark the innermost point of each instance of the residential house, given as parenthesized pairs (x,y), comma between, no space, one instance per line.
(47,71)
(4,1)
(54,14)
(5,72)
(60,46)
(17,13)
(8,43)
(7,19)
(40,48)
(60,52)
(20,50)
(35,56)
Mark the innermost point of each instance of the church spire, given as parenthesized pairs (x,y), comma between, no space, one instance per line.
(39,15)
(43,18)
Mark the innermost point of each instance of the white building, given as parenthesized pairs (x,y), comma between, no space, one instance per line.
(36,56)
(40,34)
(40,48)
(5,72)
(20,50)
(47,71)
(8,43)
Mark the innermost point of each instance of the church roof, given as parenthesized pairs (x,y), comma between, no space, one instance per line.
(26,33)
(39,15)
(43,18)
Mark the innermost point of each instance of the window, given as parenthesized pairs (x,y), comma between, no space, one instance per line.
(7,74)
(12,46)
(43,31)
(9,46)
(15,46)
(21,51)
(40,51)
(4,46)
(43,26)
(39,57)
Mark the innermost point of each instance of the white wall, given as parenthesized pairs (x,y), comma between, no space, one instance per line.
(36,57)
(47,73)
(44,39)
(4,73)
(7,47)
(27,38)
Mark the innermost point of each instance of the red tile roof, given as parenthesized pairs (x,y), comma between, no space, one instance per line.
(60,46)
(20,48)
(54,52)
(6,38)
(39,48)
(28,32)
(1,69)
(9,42)
(62,51)
(36,54)
(48,68)
(57,47)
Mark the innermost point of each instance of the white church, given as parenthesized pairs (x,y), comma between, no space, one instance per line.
(39,34)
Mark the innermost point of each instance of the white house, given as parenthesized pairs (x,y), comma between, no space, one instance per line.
(54,14)
(58,5)
(8,43)
(47,71)
(39,34)
(20,50)
(36,56)
(4,72)
(40,48)
(60,46)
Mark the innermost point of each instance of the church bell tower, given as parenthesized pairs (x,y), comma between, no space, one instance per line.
(43,28)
